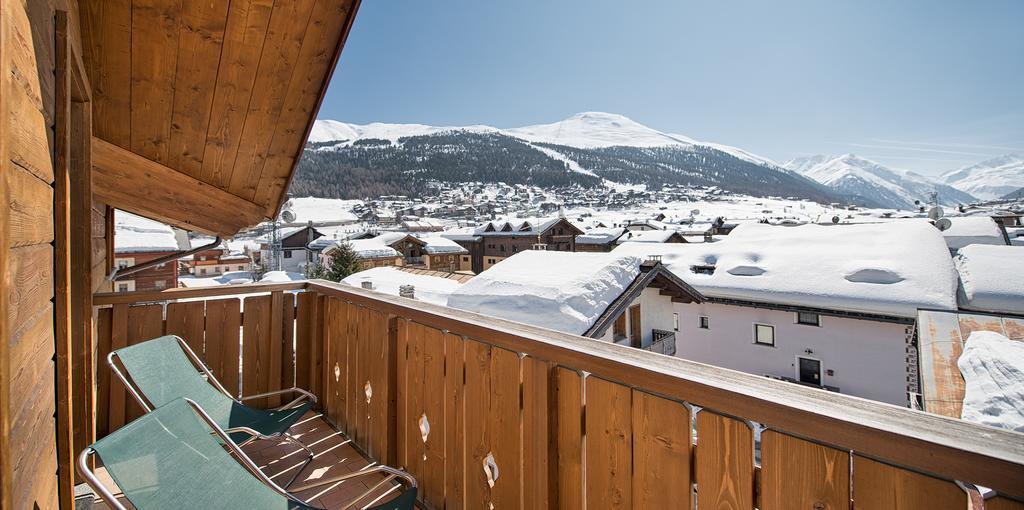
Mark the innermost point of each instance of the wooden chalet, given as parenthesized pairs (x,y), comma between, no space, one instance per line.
(194,114)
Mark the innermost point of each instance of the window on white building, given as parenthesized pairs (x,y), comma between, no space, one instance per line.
(288,254)
(122,287)
(808,318)
(703,322)
(675,321)
(123,263)
(764,334)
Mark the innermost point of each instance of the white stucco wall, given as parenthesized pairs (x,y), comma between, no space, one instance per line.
(655,313)
(868,358)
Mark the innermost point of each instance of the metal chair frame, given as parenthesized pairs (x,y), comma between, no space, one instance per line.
(82,466)
(210,378)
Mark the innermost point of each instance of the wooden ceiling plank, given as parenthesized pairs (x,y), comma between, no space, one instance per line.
(240,56)
(107,40)
(200,41)
(154,52)
(315,63)
(288,26)
(127,181)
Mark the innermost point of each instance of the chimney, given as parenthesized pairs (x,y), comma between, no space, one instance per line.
(407,291)
(367,284)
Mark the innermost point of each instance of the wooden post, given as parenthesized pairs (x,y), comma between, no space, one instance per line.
(62,265)
(5,373)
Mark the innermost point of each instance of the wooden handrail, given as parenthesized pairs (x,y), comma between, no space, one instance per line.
(122,298)
(931,444)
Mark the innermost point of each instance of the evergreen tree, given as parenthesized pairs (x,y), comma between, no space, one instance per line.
(316,271)
(343,263)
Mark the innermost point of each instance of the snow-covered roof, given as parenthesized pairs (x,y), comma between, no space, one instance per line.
(229,278)
(323,210)
(372,248)
(991,278)
(135,234)
(437,245)
(972,230)
(600,235)
(993,370)
(517,226)
(281,277)
(563,291)
(431,289)
(888,269)
(647,236)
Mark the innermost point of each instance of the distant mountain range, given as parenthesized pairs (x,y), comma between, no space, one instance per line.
(990,179)
(873,183)
(593,149)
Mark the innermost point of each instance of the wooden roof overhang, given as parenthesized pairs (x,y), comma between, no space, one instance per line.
(201,109)
(652,274)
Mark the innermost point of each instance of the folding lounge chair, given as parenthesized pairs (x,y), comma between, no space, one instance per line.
(165,368)
(170,459)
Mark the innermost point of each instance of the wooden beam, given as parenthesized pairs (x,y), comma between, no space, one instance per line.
(6,483)
(125,180)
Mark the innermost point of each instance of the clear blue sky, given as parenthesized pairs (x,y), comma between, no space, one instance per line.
(923,85)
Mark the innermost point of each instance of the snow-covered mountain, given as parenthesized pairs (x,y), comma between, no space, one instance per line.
(587,149)
(852,175)
(990,179)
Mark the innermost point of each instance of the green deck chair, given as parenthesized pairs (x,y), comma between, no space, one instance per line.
(163,369)
(170,459)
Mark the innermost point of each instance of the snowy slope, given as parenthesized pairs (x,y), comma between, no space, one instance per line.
(332,130)
(853,175)
(990,179)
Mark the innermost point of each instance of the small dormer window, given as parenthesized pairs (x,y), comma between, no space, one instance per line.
(507,228)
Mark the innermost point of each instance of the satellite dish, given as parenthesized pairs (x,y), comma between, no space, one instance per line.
(935,213)
(719,221)
(288,216)
(835,220)
(943,224)
(917,202)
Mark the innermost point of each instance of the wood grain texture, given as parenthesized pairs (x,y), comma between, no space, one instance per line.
(29,208)
(188,321)
(609,445)
(164,194)
(569,427)
(256,346)
(145,322)
(223,319)
(725,463)
(1001,503)
(661,453)
(154,60)
(539,468)
(883,487)
(800,474)
(107,46)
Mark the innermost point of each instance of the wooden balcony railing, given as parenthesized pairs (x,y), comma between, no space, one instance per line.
(486,411)
(662,342)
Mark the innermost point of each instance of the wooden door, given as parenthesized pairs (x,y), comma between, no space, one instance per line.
(635,331)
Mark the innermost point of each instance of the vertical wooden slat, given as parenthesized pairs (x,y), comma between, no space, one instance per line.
(415,448)
(256,348)
(275,347)
(379,400)
(288,348)
(504,428)
(356,329)
(478,395)
(1001,503)
(223,320)
(801,474)
(336,363)
(82,322)
(188,320)
(454,446)
(608,458)
(305,328)
(569,386)
(118,393)
(317,362)
(537,469)
(103,376)
(661,453)
(432,386)
(154,53)
(725,462)
(401,393)
(145,322)
(878,486)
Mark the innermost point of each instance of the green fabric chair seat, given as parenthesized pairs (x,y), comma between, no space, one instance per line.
(168,459)
(162,372)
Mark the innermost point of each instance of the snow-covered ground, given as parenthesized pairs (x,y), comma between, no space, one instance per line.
(993,370)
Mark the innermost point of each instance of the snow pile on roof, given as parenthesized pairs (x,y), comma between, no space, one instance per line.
(886,268)
(557,290)
(135,234)
(229,278)
(431,289)
(647,236)
(281,277)
(437,245)
(972,230)
(991,279)
(993,370)
(372,248)
(323,210)
(517,226)
(600,235)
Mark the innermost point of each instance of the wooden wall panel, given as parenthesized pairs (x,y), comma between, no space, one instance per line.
(661,453)
(154,54)
(878,486)
(454,422)
(188,320)
(800,474)
(569,427)
(538,470)
(725,462)
(29,209)
(145,322)
(106,41)
(609,445)
(1000,503)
